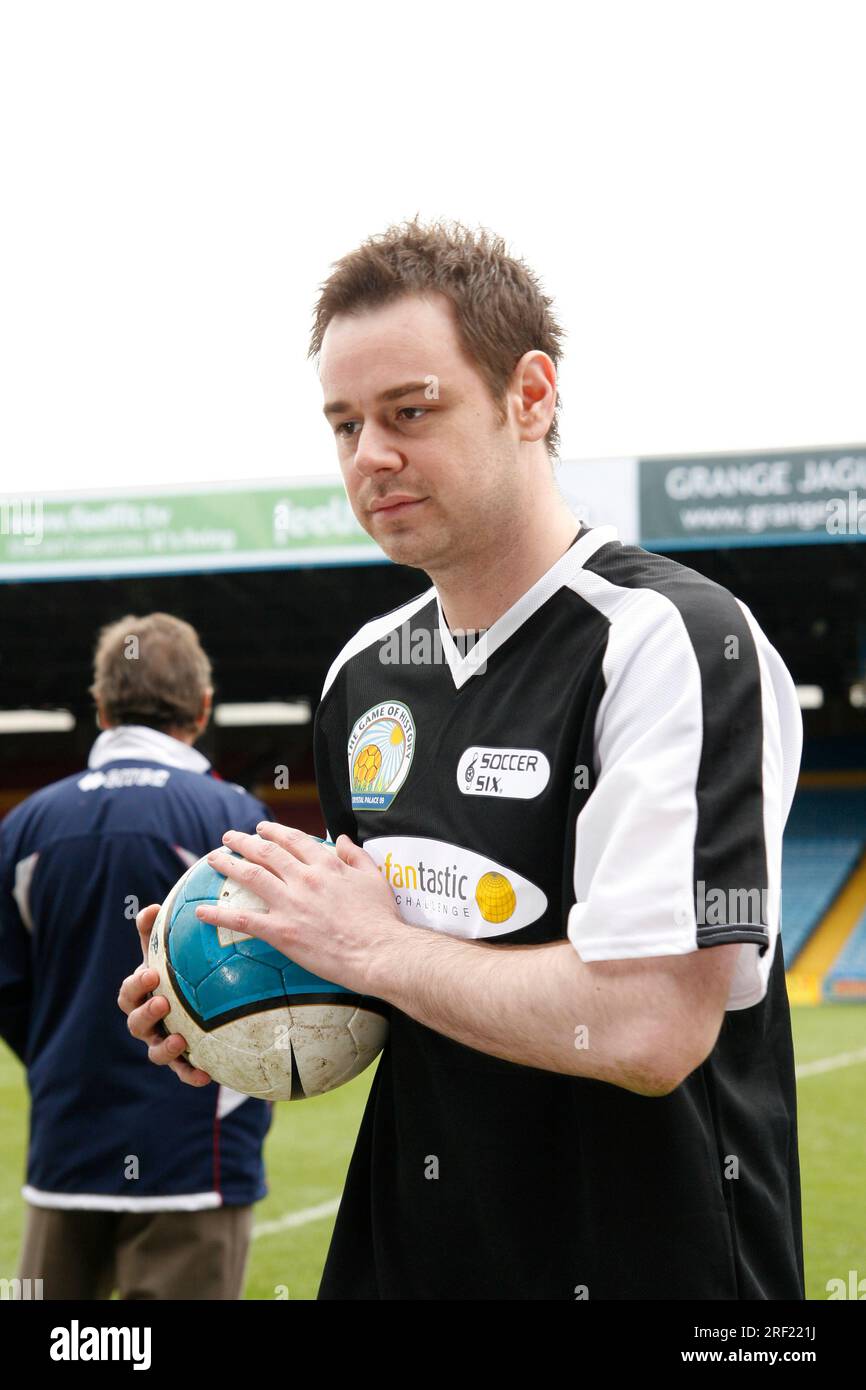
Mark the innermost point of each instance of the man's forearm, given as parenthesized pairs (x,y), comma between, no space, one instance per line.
(540,1006)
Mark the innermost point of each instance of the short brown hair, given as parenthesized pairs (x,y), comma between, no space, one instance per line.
(150,670)
(501,310)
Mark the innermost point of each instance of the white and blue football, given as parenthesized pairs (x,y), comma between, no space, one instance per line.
(252,1018)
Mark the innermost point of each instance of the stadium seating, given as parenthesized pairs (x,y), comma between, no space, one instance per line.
(825,838)
(846,982)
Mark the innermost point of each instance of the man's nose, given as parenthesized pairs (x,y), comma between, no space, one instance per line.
(374,451)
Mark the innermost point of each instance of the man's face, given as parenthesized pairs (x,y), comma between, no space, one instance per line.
(440,443)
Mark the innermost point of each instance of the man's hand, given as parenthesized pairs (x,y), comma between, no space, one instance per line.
(331,912)
(143,1013)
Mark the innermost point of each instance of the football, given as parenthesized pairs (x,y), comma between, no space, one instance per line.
(252,1018)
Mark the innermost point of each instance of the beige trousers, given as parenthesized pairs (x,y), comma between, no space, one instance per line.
(161,1254)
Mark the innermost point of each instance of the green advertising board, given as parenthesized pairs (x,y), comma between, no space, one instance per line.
(164,530)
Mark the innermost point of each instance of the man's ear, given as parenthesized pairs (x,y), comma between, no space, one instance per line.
(206,707)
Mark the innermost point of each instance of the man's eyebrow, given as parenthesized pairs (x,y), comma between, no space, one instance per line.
(392,394)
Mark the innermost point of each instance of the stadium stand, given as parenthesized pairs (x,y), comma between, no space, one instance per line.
(823,884)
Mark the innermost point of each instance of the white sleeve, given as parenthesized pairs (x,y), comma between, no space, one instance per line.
(698,737)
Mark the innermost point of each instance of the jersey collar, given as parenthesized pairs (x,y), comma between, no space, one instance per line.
(138,741)
(463,667)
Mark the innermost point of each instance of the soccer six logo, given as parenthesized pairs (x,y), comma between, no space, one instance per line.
(521,773)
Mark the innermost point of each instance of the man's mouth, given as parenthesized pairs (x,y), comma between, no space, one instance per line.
(397,508)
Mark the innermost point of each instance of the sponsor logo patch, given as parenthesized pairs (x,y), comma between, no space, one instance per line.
(124,777)
(453,889)
(381,748)
(511,772)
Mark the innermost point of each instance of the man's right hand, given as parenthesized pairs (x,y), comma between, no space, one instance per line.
(144,1013)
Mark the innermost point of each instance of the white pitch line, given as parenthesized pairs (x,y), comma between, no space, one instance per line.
(843,1059)
(296,1218)
(303,1218)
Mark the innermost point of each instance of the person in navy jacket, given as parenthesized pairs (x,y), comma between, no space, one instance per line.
(132,1182)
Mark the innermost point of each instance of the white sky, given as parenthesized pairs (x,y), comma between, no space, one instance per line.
(176,178)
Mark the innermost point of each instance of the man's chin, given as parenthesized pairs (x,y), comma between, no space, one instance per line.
(418,547)
(405,550)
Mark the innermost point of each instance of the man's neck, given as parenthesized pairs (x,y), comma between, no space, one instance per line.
(474,600)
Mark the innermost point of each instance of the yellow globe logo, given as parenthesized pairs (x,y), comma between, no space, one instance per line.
(367,765)
(495,897)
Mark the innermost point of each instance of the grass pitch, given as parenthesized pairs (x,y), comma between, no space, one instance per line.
(310,1143)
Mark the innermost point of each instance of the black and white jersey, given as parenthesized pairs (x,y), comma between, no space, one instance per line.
(612,762)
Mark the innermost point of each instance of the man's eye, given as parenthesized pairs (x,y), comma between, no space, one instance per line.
(343,429)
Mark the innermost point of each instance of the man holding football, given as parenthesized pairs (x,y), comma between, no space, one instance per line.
(582,1070)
